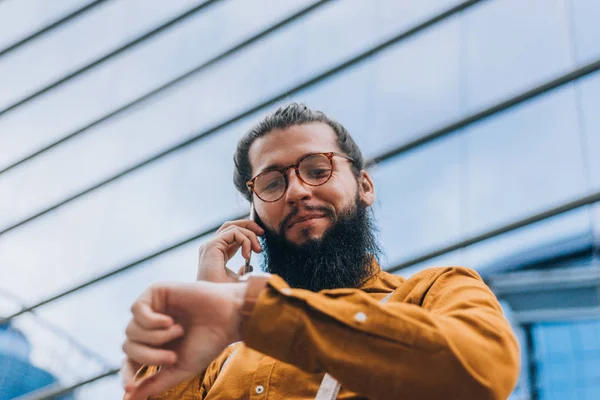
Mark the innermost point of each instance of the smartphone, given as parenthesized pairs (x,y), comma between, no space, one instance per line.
(247,267)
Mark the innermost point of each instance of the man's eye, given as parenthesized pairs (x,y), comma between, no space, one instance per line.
(318,173)
(273,185)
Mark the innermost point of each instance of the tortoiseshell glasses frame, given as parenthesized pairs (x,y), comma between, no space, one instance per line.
(314,169)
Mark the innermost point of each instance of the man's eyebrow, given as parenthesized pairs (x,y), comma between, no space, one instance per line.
(272,166)
(279,165)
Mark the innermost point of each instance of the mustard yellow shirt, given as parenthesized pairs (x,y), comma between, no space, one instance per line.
(441,335)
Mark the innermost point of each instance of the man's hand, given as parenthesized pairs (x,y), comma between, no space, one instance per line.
(182,328)
(215,253)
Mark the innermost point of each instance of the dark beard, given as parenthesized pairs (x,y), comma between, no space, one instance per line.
(341,258)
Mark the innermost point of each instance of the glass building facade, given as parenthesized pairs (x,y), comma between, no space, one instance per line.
(19,376)
(480,113)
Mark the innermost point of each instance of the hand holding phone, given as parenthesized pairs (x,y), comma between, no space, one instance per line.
(229,239)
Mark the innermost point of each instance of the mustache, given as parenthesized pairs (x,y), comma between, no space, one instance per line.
(322,209)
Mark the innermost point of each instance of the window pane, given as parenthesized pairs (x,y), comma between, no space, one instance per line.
(586,31)
(398,95)
(511,46)
(596,223)
(523,161)
(418,206)
(107,388)
(590,99)
(569,370)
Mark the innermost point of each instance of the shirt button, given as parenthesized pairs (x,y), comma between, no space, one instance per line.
(259,389)
(286,291)
(360,317)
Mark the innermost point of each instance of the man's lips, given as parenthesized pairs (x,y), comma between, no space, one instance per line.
(302,218)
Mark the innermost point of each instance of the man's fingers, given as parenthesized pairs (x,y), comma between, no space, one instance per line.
(148,318)
(143,354)
(158,383)
(241,234)
(153,337)
(246,248)
(243,223)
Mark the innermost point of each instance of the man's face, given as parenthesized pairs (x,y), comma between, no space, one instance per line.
(322,203)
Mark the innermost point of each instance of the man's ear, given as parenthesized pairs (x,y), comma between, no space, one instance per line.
(366,188)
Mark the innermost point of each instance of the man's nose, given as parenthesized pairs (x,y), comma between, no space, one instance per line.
(296,190)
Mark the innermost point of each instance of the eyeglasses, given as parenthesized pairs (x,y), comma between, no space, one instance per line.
(312,169)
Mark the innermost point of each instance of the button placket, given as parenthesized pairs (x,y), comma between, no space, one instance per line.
(262,376)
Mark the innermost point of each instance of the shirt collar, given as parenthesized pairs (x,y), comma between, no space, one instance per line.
(379,280)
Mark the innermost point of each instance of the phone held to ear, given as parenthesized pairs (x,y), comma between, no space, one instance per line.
(247,266)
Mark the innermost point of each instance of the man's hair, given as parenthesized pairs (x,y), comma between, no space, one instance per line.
(284,117)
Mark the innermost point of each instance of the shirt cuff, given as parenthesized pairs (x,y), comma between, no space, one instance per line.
(272,318)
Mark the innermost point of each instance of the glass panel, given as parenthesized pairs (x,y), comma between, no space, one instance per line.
(590,99)
(372,21)
(418,201)
(398,95)
(107,388)
(569,366)
(511,46)
(21,18)
(585,29)
(526,160)
(596,225)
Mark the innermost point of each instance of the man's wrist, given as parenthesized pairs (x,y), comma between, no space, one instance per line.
(238,292)
(255,283)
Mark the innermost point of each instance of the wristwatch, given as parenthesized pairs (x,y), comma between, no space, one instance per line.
(257,281)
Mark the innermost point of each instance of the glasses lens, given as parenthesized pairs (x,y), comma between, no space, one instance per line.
(315,170)
(270,185)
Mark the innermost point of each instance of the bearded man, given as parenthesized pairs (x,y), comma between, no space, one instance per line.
(323,320)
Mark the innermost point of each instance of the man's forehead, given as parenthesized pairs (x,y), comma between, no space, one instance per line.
(282,147)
